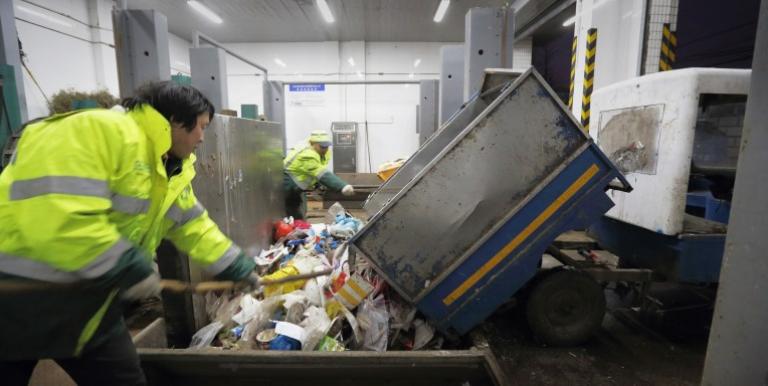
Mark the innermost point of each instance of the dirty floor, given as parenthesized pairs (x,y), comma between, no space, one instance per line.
(622,353)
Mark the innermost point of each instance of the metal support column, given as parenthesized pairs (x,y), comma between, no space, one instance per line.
(9,55)
(738,342)
(274,106)
(451,80)
(141,47)
(208,68)
(428,96)
(488,42)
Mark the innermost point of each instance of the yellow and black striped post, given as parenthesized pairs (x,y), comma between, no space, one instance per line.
(668,48)
(573,71)
(589,76)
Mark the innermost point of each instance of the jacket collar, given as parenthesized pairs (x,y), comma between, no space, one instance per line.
(155,126)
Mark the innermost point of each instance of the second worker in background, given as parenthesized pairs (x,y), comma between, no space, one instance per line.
(305,166)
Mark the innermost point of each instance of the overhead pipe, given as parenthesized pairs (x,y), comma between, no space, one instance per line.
(197,37)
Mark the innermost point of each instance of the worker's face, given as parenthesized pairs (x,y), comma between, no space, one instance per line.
(320,149)
(184,142)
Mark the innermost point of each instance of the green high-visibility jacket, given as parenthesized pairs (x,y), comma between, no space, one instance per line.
(86,198)
(306,167)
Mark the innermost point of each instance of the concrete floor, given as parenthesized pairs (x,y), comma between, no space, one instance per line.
(620,354)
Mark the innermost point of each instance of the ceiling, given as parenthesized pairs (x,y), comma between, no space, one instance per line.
(300,20)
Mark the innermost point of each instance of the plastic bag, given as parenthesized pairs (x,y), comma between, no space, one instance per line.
(225,313)
(424,333)
(248,308)
(213,303)
(205,336)
(306,263)
(260,320)
(335,210)
(374,322)
(352,322)
(316,325)
(314,290)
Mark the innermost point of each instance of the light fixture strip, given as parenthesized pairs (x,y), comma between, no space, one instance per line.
(325,11)
(441,9)
(205,11)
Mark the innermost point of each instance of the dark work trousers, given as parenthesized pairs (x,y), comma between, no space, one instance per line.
(296,204)
(113,362)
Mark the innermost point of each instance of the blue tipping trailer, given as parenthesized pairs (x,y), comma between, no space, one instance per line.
(469,229)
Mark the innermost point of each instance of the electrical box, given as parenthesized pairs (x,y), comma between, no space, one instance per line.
(344,147)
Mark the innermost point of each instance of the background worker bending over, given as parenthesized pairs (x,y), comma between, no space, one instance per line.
(305,166)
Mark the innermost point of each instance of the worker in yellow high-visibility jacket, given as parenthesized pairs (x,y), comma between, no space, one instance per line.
(305,166)
(85,201)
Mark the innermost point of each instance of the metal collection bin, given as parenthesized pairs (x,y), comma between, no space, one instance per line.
(166,366)
(469,229)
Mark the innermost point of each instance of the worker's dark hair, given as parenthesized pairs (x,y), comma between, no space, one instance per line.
(177,103)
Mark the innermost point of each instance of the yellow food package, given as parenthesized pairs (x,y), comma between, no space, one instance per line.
(288,270)
(333,308)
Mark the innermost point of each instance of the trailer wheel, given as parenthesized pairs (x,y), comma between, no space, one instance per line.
(565,308)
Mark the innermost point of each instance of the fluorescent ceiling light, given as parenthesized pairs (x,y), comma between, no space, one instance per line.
(43,16)
(441,10)
(351,61)
(279,62)
(416,62)
(322,5)
(205,11)
(570,21)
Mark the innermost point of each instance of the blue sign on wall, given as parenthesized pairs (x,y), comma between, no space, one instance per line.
(306,87)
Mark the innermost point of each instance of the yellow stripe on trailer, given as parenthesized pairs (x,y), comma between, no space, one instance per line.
(522,236)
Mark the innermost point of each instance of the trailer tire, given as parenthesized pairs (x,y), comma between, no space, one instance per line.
(565,308)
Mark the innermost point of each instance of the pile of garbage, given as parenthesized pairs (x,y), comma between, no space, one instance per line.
(351,309)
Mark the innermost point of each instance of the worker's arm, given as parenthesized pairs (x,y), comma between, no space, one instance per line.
(324,175)
(194,233)
(61,194)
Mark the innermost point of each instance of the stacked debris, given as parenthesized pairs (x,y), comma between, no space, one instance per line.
(352,309)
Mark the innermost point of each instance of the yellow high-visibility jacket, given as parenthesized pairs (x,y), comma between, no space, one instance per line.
(88,188)
(306,167)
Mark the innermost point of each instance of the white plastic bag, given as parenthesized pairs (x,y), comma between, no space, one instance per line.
(205,336)
(424,333)
(248,307)
(225,313)
(335,210)
(374,322)
(316,325)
